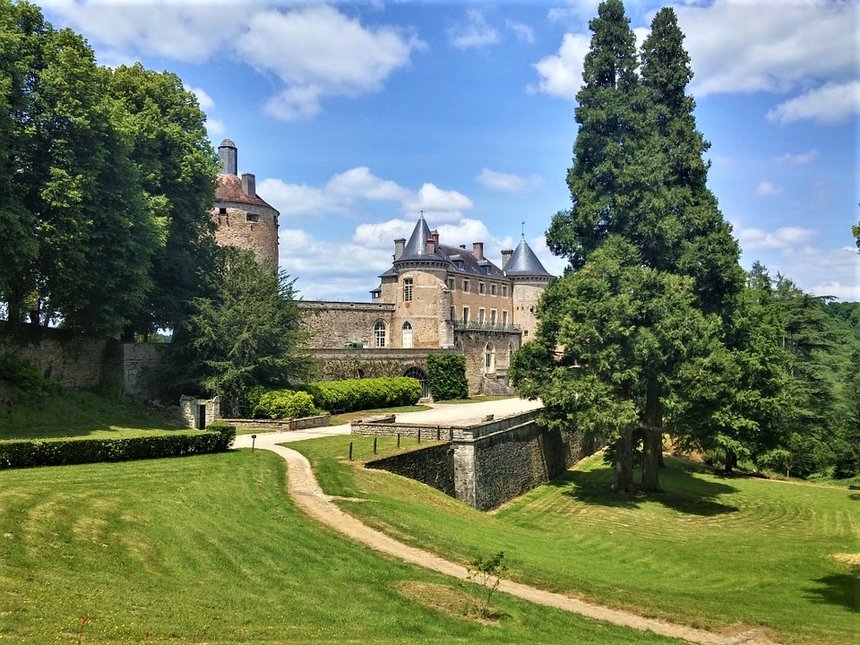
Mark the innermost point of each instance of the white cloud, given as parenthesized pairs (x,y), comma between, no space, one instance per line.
(205,101)
(749,46)
(507,181)
(782,238)
(577,14)
(823,271)
(767,189)
(314,51)
(561,73)
(833,103)
(799,159)
(317,51)
(215,128)
(522,31)
(381,235)
(341,195)
(474,33)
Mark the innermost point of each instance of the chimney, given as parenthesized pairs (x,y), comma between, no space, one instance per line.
(462,246)
(506,257)
(399,245)
(249,184)
(229,156)
(478,250)
(434,235)
(431,244)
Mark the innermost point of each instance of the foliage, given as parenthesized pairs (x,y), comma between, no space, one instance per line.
(486,571)
(247,333)
(446,376)
(84,212)
(23,377)
(364,394)
(284,404)
(34,452)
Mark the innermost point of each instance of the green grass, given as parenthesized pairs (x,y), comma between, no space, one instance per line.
(709,552)
(79,414)
(210,549)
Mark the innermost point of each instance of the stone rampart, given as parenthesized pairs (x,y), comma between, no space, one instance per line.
(281,425)
(494,461)
(433,465)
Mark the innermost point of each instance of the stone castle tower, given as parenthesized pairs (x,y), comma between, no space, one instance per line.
(244,219)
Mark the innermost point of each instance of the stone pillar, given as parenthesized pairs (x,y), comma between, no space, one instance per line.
(465,474)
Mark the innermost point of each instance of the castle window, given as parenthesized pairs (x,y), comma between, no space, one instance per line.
(452,314)
(489,358)
(481,315)
(492,290)
(407,335)
(505,317)
(379,333)
(407,289)
(452,284)
(465,314)
(482,288)
(252,217)
(492,316)
(222,211)
(504,291)
(465,286)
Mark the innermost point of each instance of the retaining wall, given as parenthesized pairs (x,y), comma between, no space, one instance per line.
(433,465)
(281,425)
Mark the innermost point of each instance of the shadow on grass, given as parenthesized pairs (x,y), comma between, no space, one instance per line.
(681,492)
(838,589)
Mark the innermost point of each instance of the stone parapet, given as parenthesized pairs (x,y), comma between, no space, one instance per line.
(281,425)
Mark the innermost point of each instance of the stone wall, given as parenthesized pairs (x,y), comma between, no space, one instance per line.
(84,361)
(250,227)
(491,462)
(433,465)
(281,425)
(334,325)
(473,344)
(189,410)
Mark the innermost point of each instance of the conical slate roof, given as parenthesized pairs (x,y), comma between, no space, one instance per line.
(524,262)
(416,247)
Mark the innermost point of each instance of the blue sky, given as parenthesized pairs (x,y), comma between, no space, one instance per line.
(356,116)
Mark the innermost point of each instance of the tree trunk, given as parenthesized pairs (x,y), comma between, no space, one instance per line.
(622,481)
(731,461)
(652,442)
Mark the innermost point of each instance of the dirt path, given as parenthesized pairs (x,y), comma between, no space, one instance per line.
(307,494)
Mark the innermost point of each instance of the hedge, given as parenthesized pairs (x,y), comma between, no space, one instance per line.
(218,437)
(284,404)
(364,393)
(446,376)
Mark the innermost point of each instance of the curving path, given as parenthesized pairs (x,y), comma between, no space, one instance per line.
(308,495)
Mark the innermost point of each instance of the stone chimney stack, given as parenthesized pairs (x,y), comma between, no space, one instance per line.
(229,156)
(434,235)
(249,184)
(399,246)
(431,244)
(478,250)
(506,257)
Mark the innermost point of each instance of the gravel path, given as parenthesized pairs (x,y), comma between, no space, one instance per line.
(308,495)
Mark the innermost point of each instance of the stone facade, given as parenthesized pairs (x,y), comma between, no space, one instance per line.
(441,297)
(199,413)
(244,219)
(490,463)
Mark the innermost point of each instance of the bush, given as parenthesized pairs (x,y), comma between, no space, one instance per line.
(365,393)
(218,437)
(284,404)
(446,376)
(24,376)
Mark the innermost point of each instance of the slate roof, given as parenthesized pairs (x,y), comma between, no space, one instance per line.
(229,189)
(524,262)
(416,247)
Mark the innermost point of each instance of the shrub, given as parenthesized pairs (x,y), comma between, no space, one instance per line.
(365,393)
(446,376)
(23,375)
(35,452)
(284,404)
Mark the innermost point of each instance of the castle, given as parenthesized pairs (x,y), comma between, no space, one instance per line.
(434,298)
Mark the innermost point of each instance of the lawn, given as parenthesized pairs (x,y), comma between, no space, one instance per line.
(80,414)
(710,552)
(210,549)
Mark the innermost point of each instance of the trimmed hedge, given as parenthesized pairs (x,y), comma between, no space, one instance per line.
(446,376)
(284,404)
(218,437)
(364,393)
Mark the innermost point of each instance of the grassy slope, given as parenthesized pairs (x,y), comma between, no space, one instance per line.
(708,552)
(78,414)
(209,548)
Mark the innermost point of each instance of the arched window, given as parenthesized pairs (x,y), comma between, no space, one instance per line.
(379,333)
(407,335)
(489,359)
(407,289)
